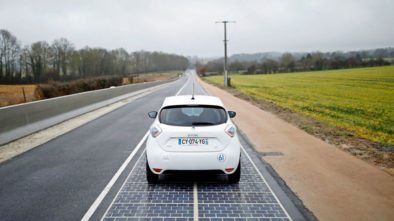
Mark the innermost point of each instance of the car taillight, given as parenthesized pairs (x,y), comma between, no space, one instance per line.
(155,131)
(230,130)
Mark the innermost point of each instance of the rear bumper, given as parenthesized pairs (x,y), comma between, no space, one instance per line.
(166,160)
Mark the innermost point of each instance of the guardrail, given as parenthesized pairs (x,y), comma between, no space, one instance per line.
(19,120)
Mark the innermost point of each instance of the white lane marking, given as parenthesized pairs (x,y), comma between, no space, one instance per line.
(183,86)
(105,191)
(265,181)
(124,183)
(195,197)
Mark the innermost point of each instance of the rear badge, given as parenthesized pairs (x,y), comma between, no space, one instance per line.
(221,157)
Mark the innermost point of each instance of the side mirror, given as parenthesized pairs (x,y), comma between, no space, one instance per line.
(152,114)
(232,114)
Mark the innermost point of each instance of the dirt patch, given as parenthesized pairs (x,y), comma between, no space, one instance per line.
(369,151)
(13,94)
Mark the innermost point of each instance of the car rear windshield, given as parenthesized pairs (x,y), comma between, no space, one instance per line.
(193,115)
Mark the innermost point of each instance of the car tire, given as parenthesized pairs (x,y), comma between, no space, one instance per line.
(236,176)
(150,176)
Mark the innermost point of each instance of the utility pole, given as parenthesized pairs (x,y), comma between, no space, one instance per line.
(225,50)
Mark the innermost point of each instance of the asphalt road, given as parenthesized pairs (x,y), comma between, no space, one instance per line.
(61,179)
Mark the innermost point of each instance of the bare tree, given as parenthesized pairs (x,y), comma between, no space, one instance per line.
(39,56)
(40,62)
(24,63)
(9,52)
(76,64)
(62,53)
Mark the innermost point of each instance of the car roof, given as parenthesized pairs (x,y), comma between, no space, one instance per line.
(187,100)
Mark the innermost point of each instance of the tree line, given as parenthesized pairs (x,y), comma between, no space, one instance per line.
(41,62)
(308,62)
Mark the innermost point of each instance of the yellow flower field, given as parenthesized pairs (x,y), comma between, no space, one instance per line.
(360,100)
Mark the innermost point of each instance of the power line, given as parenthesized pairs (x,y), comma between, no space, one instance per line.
(225,51)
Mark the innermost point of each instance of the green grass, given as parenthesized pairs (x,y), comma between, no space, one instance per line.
(360,100)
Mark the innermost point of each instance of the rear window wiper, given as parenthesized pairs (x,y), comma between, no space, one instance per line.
(202,123)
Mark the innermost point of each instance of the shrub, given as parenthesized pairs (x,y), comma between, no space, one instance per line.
(55,89)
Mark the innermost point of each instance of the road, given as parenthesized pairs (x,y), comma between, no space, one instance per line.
(67,178)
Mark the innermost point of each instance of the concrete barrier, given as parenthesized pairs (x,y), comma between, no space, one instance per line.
(20,120)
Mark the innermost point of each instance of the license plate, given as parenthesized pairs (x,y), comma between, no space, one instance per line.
(193,141)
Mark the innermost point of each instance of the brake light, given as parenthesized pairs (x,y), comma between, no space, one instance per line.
(230,130)
(155,131)
(229,169)
(157,170)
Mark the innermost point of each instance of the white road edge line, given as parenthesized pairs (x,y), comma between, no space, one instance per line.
(177,93)
(123,184)
(195,197)
(107,188)
(265,181)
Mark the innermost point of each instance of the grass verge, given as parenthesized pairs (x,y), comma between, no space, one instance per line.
(257,89)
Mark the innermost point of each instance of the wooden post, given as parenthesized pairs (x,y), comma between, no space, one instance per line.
(24,95)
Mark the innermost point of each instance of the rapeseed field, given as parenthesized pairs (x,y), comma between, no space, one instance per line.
(359,100)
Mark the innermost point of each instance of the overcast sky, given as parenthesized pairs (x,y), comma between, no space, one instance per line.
(188,26)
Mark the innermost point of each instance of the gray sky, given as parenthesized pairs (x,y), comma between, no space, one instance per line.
(188,27)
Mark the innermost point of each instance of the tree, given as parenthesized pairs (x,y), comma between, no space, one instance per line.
(251,69)
(354,61)
(122,58)
(202,71)
(24,64)
(287,62)
(236,66)
(317,61)
(306,63)
(381,53)
(215,66)
(76,64)
(9,53)
(337,61)
(38,56)
(272,66)
(62,53)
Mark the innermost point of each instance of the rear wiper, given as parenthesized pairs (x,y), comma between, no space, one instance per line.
(201,123)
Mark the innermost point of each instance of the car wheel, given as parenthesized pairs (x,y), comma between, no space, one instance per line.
(236,176)
(150,176)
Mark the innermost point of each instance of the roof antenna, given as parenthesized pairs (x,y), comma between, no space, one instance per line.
(193,91)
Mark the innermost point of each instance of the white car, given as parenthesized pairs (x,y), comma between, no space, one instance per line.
(193,134)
